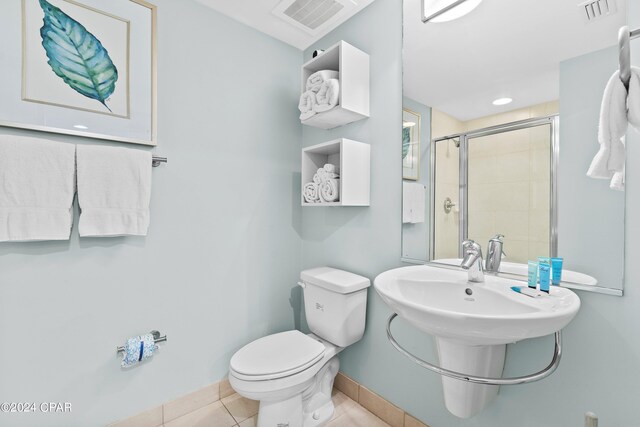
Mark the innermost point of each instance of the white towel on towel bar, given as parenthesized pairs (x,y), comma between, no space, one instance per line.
(619,108)
(633,99)
(613,126)
(618,181)
(36,190)
(114,191)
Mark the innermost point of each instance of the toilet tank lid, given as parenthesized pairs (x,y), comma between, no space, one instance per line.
(335,280)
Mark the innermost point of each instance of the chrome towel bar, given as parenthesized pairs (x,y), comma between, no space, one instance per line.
(155,161)
(624,36)
(156,338)
(557,354)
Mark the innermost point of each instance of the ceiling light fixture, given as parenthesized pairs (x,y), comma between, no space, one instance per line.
(446,10)
(83,127)
(502,101)
(408,124)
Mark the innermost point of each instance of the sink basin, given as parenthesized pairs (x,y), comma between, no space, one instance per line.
(472,324)
(442,302)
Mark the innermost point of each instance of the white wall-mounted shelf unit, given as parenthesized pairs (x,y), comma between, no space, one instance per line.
(353,160)
(352,65)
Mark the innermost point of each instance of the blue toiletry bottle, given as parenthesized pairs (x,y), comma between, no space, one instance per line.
(544,260)
(545,272)
(556,271)
(533,275)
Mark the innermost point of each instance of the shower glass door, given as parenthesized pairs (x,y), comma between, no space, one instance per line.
(446,215)
(500,180)
(509,190)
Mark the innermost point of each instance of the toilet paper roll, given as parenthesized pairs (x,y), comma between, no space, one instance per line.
(137,349)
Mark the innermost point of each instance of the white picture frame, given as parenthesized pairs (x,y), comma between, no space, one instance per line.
(42,88)
(411,128)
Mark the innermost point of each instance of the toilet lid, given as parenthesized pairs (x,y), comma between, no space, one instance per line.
(284,353)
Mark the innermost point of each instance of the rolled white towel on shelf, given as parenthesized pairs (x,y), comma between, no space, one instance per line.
(330,168)
(317,179)
(307,101)
(324,175)
(315,80)
(138,349)
(328,96)
(310,192)
(330,191)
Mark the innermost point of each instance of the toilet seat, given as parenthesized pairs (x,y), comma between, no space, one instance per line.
(276,356)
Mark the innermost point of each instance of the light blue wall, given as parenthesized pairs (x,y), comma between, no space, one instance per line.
(223,250)
(211,273)
(582,83)
(415,237)
(601,362)
(365,239)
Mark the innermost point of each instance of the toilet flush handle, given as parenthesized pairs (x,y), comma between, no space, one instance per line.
(302,285)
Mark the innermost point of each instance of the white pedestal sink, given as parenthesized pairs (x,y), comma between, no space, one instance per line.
(472,323)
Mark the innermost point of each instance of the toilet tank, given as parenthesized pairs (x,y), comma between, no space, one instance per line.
(335,304)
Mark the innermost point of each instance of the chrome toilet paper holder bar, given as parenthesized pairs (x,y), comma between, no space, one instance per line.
(156,338)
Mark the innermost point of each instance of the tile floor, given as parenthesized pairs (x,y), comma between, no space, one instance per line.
(236,411)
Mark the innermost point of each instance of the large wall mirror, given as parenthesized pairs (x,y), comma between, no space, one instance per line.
(500,124)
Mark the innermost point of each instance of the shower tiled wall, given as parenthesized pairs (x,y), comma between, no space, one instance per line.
(508,184)
(509,190)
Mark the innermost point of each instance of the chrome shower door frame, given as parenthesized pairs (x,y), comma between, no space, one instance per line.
(463,198)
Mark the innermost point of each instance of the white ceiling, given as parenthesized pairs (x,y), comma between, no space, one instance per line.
(503,48)
(258,14)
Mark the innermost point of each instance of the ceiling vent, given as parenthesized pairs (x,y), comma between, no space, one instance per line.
(597,9)
(313,16)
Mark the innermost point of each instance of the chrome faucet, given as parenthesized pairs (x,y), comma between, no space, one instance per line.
(472,261)
(494,254)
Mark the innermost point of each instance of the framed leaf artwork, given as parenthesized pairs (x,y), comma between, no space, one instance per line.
(85,68)
(410,144)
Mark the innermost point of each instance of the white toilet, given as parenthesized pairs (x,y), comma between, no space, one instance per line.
(291,373)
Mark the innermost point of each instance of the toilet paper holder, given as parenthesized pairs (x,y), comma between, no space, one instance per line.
(156,338)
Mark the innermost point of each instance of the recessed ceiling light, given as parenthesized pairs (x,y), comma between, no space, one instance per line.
(502,101)
(432,11)
(83,127)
